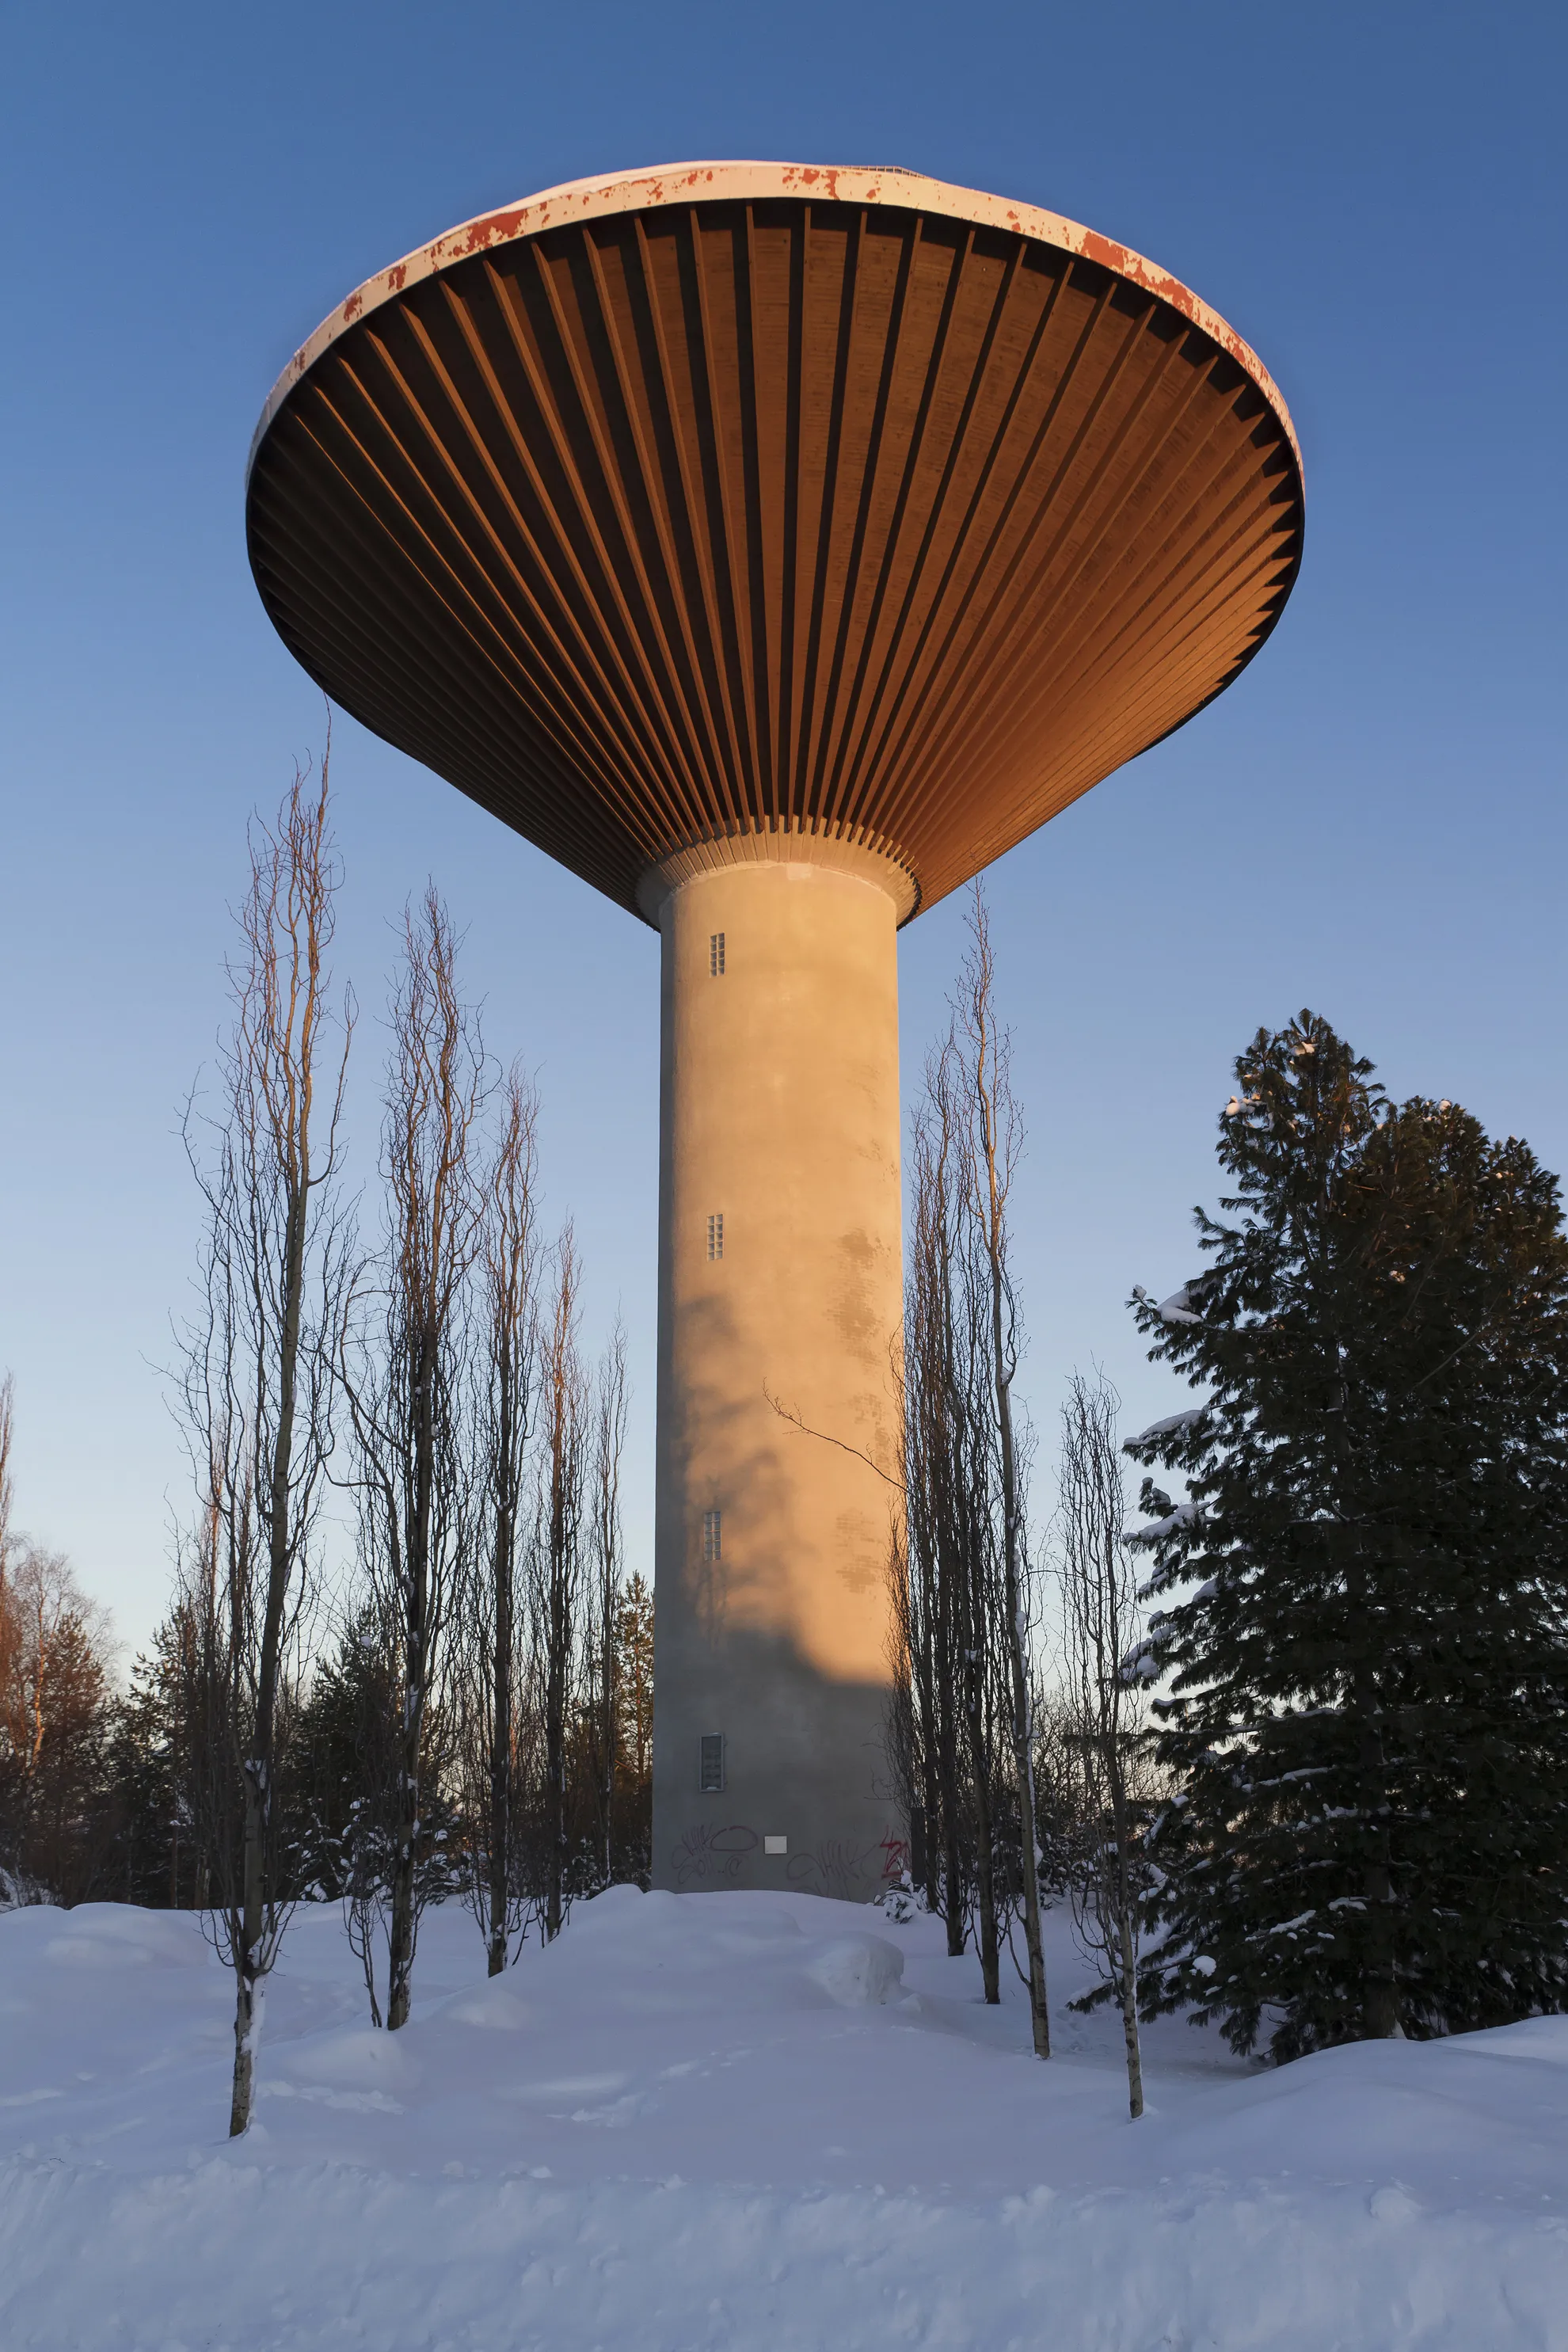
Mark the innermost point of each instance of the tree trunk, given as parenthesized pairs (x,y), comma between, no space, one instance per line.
(501,1702)
(401,1927)
(1024,1765)
(401,1934)
(609,1765)
(1126,1931)
(251,1956)
(1129,1975)
(944,1685)
(557,1663)
(246,1944)
(248,2003)
(501,1762)
(400,1937)
(923,1865)
(1022,1724)
(1380,2000)
(993,1109)
(984,1863)
(555,1777)
(953,1866)
(985,1900)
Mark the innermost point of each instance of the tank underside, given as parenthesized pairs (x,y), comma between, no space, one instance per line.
(728,510)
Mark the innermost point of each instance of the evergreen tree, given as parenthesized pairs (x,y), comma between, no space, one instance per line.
(1363,1642)
(155,1859)
(634,1755)
(347,1705)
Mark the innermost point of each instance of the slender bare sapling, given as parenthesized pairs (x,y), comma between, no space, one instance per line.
(255,1388)
(1104,1746)
(404,1376)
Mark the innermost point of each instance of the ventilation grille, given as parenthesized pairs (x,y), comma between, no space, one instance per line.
(712,1535)
(716,955)
(710,1768)
(716,1236)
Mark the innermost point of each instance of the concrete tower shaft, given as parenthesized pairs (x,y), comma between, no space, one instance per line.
(780,1311)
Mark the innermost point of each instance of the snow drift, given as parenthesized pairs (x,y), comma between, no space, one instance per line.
(737,2121)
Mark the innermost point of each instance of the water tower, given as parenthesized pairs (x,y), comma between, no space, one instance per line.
(775,545)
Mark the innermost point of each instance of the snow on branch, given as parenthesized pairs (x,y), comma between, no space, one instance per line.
(1182,1515)
(1170,1427)
(1178,1307)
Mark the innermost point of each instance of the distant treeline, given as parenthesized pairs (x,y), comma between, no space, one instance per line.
(104,1781)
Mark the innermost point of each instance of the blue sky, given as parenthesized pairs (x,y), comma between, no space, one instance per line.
(1373,822)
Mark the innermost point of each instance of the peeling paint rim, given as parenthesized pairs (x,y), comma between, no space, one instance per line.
(687,184)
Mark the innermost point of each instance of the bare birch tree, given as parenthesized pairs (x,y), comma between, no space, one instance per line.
(924,1732)
(405,1375)
(493,1621)
(603,1701)
(944,1609)
(906,1716)
(556,1578)
(1103,1746)
(217,1579)
(960,1720)
(995,1138)
(374,1689)
(256,1389)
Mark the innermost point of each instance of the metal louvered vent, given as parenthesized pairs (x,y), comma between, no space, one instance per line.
(710,1770)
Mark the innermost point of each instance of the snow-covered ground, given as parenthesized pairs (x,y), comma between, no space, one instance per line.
(732,2121)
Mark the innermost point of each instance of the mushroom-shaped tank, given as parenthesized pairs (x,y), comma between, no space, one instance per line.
(741,497)
(775,545)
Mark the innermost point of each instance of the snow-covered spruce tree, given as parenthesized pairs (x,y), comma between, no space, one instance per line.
(1363,1641)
